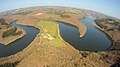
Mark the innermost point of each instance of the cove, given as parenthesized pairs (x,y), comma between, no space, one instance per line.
(93,40)
(20,44)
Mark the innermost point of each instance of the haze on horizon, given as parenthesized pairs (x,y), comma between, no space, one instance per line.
(108,7)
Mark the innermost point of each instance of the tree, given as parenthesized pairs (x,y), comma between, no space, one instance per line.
(9,32)
(2,21)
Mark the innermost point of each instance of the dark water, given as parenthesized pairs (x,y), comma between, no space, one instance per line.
(19,44)
(93,40)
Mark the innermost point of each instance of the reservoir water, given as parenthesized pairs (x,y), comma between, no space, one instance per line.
(19,44)
(93,40)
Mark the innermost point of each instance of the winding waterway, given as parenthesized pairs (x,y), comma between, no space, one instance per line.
(93,40)
(21,43)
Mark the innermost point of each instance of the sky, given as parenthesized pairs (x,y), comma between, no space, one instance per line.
(108,7)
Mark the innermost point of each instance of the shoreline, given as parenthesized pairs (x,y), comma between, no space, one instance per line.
(94,24)
(81,33)
(14,38)
(80,28)
(22,54)
(108,36)
(25,52)
(64,40)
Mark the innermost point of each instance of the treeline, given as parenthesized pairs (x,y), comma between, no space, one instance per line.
(108,20)
(99,24)
(104,19)
(2,21)
(10,64)
(62,15)
(65,16)
(11,31)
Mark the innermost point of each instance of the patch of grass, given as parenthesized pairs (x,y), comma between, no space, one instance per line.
(53,30)
(50,26)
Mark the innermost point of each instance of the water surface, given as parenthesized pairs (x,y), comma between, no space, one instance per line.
(93,40)
(19,44)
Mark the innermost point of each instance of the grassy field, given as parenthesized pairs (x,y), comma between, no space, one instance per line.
(50,33)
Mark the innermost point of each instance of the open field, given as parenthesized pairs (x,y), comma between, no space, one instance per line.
(50,33)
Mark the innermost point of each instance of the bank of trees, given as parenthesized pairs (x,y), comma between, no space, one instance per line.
(11,31)
(10,64)
(108,20)
(2,21)
(99,24)
(65,16)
